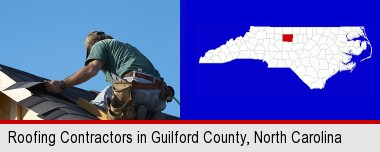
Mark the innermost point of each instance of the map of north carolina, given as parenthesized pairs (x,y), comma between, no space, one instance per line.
(315,54)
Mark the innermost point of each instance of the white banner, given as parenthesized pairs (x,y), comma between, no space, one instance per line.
(191,137)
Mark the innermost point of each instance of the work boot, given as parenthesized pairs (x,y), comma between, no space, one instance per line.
(130,112)
(141,112)
(156,115)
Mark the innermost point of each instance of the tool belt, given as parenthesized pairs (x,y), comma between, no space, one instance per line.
(121,105)
(141,75)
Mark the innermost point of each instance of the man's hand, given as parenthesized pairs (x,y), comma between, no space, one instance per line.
(53,86)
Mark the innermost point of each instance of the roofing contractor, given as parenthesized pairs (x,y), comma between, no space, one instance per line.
(66,137)
(137,90)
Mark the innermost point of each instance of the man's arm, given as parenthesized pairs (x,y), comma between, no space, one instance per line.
(82,75)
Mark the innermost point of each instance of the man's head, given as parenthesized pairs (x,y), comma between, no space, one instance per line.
(94,37)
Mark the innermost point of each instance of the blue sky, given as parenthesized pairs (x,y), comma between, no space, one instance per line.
(46,37)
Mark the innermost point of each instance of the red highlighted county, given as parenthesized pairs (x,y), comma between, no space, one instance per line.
(287,37)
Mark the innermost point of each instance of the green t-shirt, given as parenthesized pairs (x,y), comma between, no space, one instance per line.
(118,57)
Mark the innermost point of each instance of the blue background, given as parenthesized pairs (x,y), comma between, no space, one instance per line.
(247,89)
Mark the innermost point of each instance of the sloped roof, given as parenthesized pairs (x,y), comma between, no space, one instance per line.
(35,97)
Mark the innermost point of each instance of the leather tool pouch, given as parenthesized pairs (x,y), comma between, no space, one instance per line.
(120,105)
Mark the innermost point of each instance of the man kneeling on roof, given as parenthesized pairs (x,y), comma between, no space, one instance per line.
(137,91)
